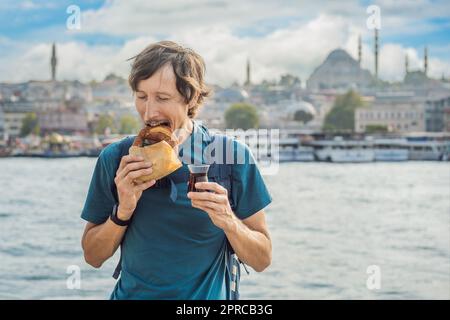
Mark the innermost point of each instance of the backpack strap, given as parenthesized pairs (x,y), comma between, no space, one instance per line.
(223,174)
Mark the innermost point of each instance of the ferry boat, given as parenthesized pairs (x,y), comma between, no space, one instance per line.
(425,150)
(50,154)
(339,150)
(291,150)
(391,150)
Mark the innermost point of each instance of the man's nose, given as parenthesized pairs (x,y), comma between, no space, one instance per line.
(151,111)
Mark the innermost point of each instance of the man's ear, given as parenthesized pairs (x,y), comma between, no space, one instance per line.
(189,110)
(191,106)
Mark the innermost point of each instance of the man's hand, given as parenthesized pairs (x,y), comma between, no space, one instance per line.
(214,203)
(249,238)
(129,192)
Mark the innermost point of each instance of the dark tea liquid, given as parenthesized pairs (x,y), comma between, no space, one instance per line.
(194,178)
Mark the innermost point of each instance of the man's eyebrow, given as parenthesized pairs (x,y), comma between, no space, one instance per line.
(163,92)
(157,92)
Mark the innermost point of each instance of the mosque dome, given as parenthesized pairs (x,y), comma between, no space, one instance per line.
(300,105)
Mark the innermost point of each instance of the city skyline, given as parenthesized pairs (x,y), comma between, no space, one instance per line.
(302,33)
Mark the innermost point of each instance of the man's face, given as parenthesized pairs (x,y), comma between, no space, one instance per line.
(158,100)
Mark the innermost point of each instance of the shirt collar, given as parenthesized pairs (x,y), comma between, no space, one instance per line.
(199,129)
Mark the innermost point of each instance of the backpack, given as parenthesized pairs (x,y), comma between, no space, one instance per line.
(220,173)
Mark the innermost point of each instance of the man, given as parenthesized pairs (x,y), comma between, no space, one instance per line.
(173,247)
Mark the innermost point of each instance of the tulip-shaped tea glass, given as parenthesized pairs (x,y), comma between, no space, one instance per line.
(198,173)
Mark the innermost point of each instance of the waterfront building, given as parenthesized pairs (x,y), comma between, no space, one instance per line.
(13,114)
(397,112)
(437,112)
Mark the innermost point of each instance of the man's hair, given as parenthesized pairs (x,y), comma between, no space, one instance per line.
(188,66)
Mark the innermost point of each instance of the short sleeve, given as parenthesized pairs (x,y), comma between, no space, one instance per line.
(102,194)
(249,191)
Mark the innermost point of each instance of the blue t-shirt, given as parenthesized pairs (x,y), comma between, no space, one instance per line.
(172,250)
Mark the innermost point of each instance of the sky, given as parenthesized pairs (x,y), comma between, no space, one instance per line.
(278,36)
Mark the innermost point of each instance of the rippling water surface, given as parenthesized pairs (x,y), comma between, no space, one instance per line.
(329,222)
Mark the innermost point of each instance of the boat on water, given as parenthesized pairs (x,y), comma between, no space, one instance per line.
(58,146)
(299,154)
(391,150)
(291,150)
(48,154)
(52,153)
(284,149)
(341,151)
(428,150)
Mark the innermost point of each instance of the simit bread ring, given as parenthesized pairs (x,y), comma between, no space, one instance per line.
(156,145)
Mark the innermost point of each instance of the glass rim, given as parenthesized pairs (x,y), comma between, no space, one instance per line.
(198,168)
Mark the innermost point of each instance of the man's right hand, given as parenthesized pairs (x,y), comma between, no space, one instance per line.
(129,192)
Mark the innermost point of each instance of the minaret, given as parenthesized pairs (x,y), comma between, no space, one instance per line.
(376,53)
(425,60)
(247,81)
(406,64)
(53,62)
(359,50)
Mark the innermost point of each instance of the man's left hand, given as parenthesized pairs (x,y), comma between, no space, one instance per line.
(214,203)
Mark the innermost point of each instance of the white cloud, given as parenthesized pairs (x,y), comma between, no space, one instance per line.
(32,5)
(76,60)
(136,17)
(294,49)
(297,49)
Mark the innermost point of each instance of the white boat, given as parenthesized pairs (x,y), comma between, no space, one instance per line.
(339,150)
(428,150)
(391,150)
(300,153)
(291,150)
